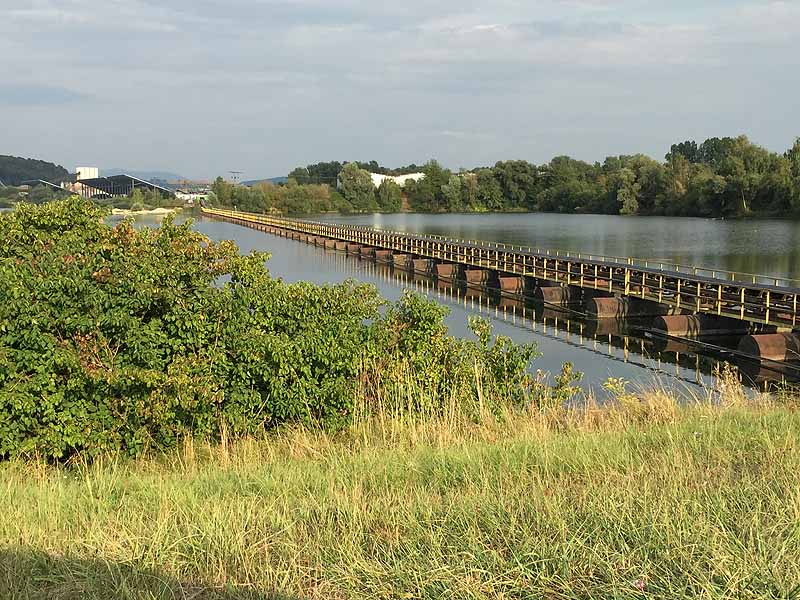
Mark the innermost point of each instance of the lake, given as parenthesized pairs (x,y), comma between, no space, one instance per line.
(764,247)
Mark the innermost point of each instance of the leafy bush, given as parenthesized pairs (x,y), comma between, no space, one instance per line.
(116,338)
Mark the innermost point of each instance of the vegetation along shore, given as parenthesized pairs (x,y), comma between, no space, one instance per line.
(720,177)
(177,423)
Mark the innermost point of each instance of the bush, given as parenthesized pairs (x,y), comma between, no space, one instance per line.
(113,338)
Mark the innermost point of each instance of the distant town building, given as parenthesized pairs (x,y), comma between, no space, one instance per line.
(87,183)
(82,173)
(87,172)
(192,197)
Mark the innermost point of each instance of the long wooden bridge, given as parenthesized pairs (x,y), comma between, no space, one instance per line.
(689,300)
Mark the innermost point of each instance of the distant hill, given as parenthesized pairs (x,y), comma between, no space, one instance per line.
(275,180)
(147,175)
(14,170)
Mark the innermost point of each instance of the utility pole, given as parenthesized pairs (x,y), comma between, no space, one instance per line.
(235,176)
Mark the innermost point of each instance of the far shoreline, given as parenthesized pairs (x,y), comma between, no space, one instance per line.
(126,212)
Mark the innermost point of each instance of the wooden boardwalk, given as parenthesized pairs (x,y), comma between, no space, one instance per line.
(752,298)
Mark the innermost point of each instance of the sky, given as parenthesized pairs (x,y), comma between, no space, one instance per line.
(203,87)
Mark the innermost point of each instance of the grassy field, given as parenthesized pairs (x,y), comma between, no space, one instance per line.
(643,499)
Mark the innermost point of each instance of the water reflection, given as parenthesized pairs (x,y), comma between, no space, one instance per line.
(761,246)
(615,340)
(599,349)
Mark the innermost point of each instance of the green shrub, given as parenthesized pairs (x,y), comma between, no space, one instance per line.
(115,338)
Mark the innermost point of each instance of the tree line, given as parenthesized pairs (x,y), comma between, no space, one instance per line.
(290,198)
(328,172)
(14,170)
(720,177)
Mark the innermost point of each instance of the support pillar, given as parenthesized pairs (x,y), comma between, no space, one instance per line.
(560,296)
(772,346)
(601,308)
(402,261)
(423,265)
(477,276)
(512,285)
(448,271)
(700,325)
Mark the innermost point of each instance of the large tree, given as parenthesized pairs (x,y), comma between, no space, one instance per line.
(518,179)
(390,197)
(793,158)
(356,185)
(427,194)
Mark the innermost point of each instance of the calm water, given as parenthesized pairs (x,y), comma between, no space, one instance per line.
(599,353)
(765,247)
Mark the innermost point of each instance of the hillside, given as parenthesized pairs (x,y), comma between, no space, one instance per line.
(14,170)
(146,175)
(274,180)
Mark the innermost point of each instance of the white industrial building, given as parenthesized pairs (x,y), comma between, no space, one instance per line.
(82,173)
(378,179)
(87,172)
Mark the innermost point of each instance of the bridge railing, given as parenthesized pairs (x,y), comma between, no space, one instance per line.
(644,263)
(668,267)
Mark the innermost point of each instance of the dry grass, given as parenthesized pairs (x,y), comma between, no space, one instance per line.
(642,498)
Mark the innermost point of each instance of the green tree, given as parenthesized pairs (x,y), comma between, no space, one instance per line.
(153,198)
(570,185)
(40,194)
(318,173)
(793,158)
(390,197)
(519,182)
(300,175)
(137,199)
(14,170)
(743,165)
(124,339)
(627,192)
(426,194)
(469,189)
(357,188)
(687,150)
(489,192)
(223,191)
(705,192)
(451,193)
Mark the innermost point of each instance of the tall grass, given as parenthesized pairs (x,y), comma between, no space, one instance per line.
(643,497)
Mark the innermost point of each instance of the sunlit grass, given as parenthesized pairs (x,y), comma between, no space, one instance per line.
(642,498)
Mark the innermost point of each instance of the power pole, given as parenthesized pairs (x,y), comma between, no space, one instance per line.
(235,176)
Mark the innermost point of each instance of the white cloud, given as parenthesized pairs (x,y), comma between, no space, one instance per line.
(270,83)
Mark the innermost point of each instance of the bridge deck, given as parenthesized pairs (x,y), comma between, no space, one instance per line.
(753,298)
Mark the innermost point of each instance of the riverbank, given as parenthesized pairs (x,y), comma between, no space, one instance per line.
(145,212)
(642,498)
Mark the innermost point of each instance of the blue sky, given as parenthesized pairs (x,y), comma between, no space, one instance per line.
(202,87)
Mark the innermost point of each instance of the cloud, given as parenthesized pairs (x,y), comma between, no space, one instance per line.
(23,94)
(266,84)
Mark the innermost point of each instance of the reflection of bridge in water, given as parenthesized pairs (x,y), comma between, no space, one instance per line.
(616,340)
(664,313)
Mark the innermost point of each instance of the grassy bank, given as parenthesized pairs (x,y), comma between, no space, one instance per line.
(644,498)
